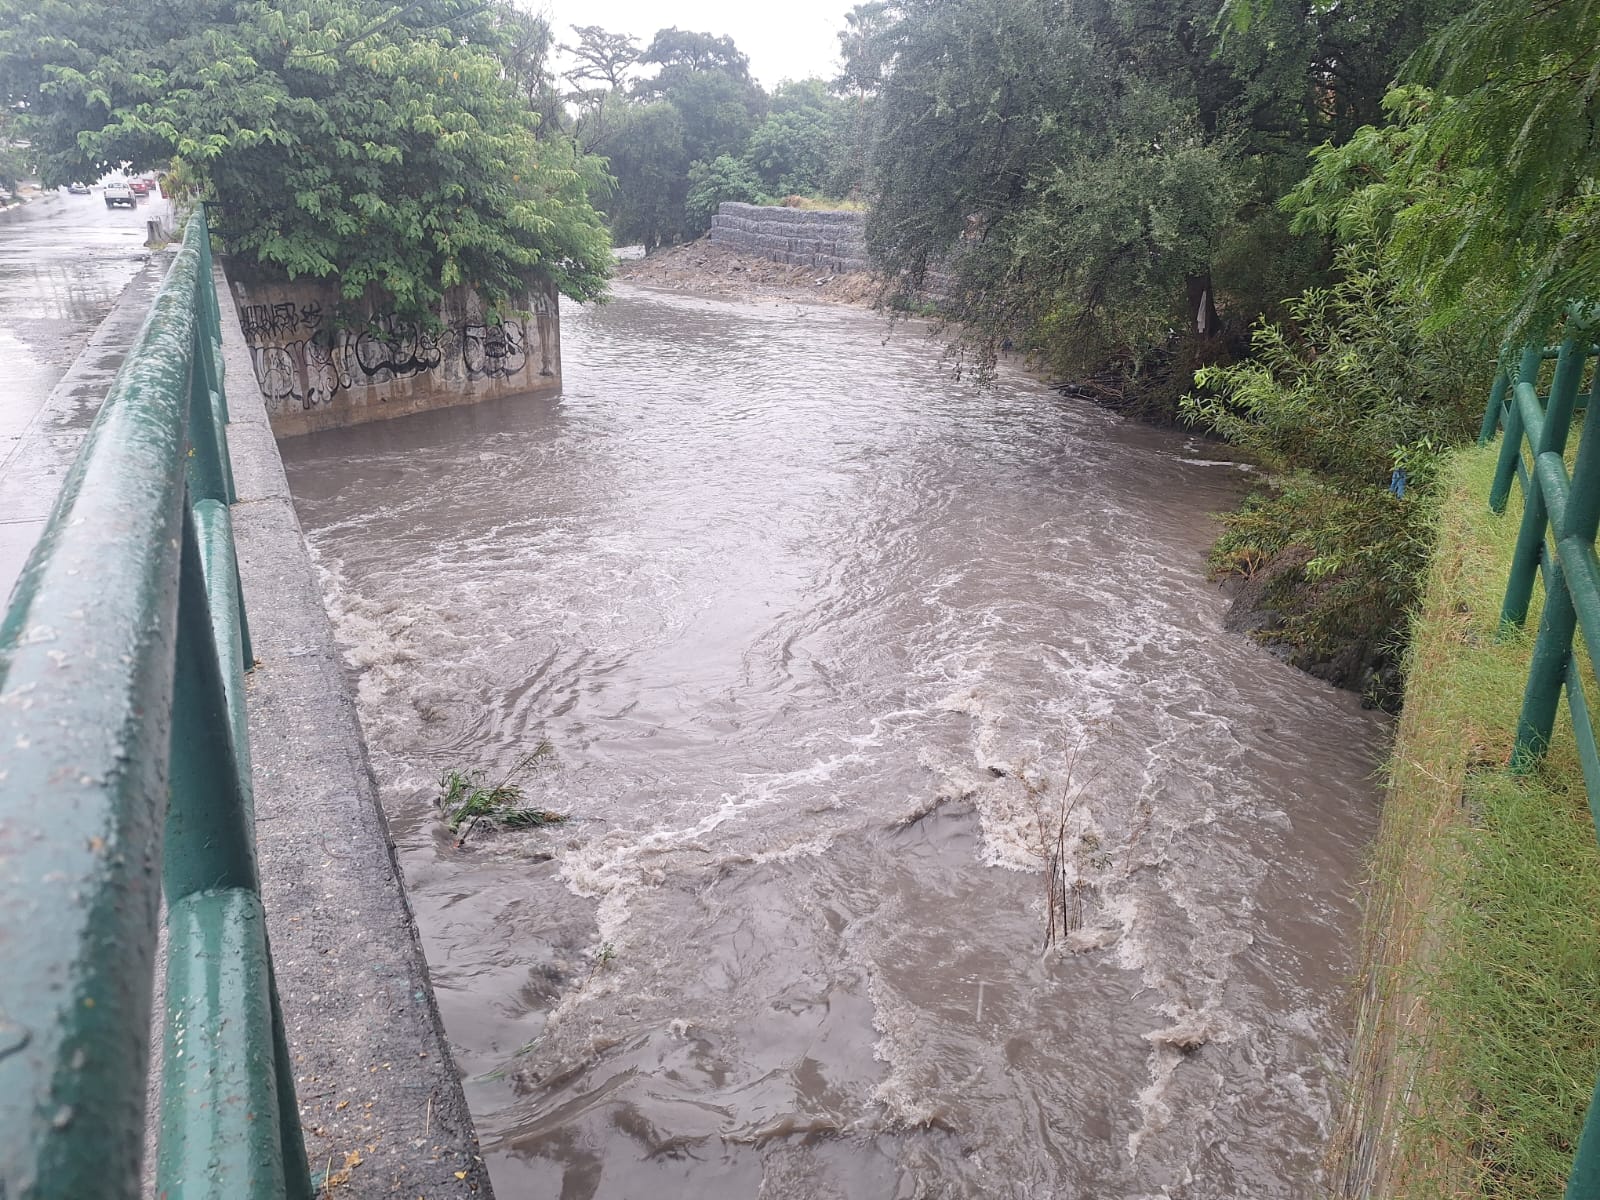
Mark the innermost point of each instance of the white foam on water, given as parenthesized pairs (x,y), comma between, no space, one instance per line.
(1172,1047)
(901,1092)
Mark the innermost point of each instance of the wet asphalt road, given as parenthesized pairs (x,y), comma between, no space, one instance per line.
(64,260)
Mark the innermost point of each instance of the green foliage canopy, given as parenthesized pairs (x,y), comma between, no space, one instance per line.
(723,178)
(1087,178)
(700,105)
(390,148)
(800,147)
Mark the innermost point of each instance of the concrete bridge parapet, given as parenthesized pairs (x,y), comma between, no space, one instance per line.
(380,1100)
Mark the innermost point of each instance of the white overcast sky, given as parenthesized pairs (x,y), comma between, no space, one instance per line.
(784,39)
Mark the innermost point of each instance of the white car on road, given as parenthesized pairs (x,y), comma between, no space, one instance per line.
(120,193)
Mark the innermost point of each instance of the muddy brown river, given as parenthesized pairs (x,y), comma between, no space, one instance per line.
(835,652)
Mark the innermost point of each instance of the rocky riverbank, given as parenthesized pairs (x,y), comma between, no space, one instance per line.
(704,269)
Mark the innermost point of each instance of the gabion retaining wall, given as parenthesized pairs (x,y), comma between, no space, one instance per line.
(825,239)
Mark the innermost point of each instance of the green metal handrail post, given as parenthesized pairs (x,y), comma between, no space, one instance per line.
(223,1099)
(1547,672)
(1497,402)
(1571,592)
(1552,437)
(1583,1181)
(210,826)
(1505,471)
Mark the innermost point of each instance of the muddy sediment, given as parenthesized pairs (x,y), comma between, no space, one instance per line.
(706,269)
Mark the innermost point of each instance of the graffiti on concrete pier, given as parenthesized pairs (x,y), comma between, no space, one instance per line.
(304,362)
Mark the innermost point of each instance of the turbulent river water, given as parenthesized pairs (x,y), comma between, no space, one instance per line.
(834,652)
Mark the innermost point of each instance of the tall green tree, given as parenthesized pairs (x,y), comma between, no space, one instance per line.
(803,145)
(603,58)
(523,46)
(1083,177)
(699,106)
(708,81)
(1045,193)
(645,149)
(597,82)
(387,148)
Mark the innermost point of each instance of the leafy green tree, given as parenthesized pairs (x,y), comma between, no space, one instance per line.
(386,148)
(1055,199)
(1124,132)
(597,83)
(699,106)
(708,81)
(723,178)
(678,50)
(603,57)
(802,145)
(646,152)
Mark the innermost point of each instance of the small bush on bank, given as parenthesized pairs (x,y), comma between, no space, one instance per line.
(710,183)
(1333,572)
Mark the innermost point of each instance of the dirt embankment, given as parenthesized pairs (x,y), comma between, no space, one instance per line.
(709,270)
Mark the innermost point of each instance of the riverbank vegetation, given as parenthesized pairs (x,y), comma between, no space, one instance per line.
(1478,1047)
(467,799)
(684,127)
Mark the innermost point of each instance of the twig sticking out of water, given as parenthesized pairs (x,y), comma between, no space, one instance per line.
(1053,805)
(465,800)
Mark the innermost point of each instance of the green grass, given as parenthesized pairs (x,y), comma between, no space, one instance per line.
(1479,1032)
(824,203)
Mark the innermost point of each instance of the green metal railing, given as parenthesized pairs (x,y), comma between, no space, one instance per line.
(123,760)
(1568,509)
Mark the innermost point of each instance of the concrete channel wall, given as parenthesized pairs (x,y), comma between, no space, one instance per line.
(829,240)
(380,1101)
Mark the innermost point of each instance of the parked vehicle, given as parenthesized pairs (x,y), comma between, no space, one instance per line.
(77,188)
(120,194)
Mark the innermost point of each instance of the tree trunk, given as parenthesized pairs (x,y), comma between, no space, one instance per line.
(1203,306)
